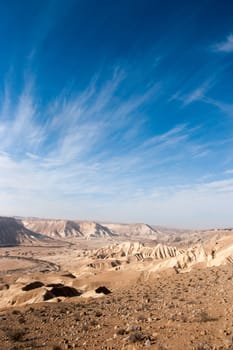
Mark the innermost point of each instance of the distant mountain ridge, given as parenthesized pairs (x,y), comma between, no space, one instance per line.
(19,230)
(133,230)
(138,250)
(62,229)
(13,233)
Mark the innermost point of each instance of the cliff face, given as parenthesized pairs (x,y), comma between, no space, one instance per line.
(53,228)
(133,230)
(67,228)
(93,229)
(13,232)
(137,250)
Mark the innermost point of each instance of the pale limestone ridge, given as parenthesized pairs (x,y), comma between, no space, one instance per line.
(138,250)
(13,233)
(94,229)
(53,228)
(133,230)
(62,229)
(67,228)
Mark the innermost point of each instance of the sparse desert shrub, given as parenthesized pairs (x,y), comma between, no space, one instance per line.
(32,285)
(98,313)
(204,347)
(120,331)
(205,317)
(15,334)
(136,337)
(16,312)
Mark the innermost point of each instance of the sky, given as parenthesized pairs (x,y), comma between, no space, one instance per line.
(117,111)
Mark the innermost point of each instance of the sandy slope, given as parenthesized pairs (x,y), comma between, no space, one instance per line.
(67,228)
(163,296)
(172,312)
(13,232)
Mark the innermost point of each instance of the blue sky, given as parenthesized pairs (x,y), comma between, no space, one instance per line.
(117,111)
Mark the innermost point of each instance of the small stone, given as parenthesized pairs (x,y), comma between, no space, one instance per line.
(136,337)
(154,336)
(121,331)
(133,328)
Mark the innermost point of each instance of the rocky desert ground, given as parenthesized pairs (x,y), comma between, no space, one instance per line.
(86,285)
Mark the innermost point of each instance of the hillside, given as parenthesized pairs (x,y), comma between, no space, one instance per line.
(133,230)
(62,229)
(137,250)
(13,233)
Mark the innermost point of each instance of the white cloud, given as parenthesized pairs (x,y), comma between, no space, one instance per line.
(85,161)
(104,191)
(226,108)
(200,94)
(192,96)
(195,206)
(225,46)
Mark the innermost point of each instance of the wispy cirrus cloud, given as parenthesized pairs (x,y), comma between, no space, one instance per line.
(18,127)
(201,94)
(197,94)
(225,46)
(226,108)
(68,139)
(190,204)
(85,143)
(89,152)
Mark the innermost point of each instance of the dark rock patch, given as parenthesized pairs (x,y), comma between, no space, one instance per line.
(70,275)
(61,291)
(4,286)
(115,263)
(55,285)
(48,295)
(103,290)
(136,337)
(32,285)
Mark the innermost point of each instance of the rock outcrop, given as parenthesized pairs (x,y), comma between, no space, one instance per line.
(61,291)
(137,250)
(62,229)
(13,233)
(133,230)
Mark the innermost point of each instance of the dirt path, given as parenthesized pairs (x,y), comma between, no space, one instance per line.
(35,265)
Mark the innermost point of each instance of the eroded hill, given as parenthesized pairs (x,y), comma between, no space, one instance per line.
(14,233)
(67,228)
(185,311)
(133,230)
(113,286)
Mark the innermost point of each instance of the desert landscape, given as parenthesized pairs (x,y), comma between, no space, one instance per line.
(116,175)
(86,285)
